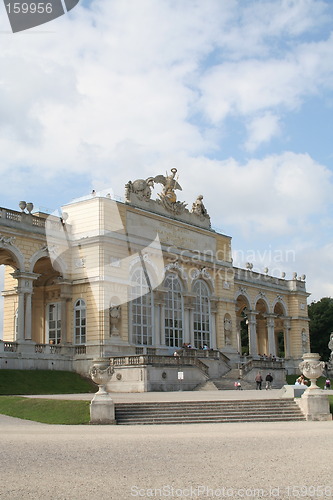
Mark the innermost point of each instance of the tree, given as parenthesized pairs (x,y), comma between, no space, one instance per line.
(321,325)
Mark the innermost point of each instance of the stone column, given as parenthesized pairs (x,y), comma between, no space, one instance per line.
(270,320)
(157,324)
(28,316)
(253,342)
(286,330)
(159,318)
(188,333)
(213,312)
(24,290)
(20,316)
(65,296)
(238,333)
(162,324)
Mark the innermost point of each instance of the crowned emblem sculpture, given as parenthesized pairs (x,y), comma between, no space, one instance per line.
(168,197)
(139,193)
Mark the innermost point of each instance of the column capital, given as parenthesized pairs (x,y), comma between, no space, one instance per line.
(252,316)
(25,281)
(270,319)
(287,323)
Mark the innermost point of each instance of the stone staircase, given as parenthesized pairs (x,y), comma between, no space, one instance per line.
(228,380)
(199,412)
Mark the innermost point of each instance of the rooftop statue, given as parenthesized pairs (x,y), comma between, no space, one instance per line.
(198,207)
(139,193)
(168,196)
(141,188)
(170,185)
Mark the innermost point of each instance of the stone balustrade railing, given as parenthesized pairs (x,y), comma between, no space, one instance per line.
(259,278)
(8,346)
(261,364)
(155,360)
(48,349)
(201,353)
(80,349)
(28,219)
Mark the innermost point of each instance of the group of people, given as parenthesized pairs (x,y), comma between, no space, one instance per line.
(259,380)
(264,357)
(189,346)
(301,380)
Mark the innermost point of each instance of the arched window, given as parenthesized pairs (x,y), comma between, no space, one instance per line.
(173,312)
(201,315)
(141,309)
(80,322)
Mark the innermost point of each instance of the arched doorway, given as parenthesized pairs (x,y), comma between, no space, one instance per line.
(46,304)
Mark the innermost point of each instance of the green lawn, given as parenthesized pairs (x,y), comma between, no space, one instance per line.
(43,382)
(48,411)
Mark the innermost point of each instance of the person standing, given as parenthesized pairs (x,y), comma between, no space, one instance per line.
(258,381)
(269,380)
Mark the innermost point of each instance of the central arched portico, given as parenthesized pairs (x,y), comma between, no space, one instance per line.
(265,323)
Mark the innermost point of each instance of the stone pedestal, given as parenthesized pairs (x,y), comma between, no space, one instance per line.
(102,409)
(315,405)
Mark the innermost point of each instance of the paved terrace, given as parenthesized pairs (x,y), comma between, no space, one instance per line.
(255,460)
(134,397)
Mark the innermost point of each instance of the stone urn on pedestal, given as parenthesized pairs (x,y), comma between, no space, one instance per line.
(101,406)
(312,368)
(314,402)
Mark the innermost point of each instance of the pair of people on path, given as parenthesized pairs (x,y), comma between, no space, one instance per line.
(259,380)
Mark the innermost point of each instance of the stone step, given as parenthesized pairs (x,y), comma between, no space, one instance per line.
(208,411)
(208,421)
(226,384)
(222,403)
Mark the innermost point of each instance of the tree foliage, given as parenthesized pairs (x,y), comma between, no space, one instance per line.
(321,326)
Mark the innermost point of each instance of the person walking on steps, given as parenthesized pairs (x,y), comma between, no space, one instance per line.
(258,381)
(269,380)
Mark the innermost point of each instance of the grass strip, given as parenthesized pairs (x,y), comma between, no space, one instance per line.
(31,382)
(47,411)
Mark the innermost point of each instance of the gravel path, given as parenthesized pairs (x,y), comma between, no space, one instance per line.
(254,460)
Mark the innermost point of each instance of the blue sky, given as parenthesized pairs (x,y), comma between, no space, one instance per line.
(236,94)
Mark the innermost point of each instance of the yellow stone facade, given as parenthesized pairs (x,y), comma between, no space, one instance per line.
(111,278)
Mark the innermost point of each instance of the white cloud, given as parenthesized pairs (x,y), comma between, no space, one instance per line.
(318,262)
(275,196)
(137,73)
(261,129)
(130,89)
